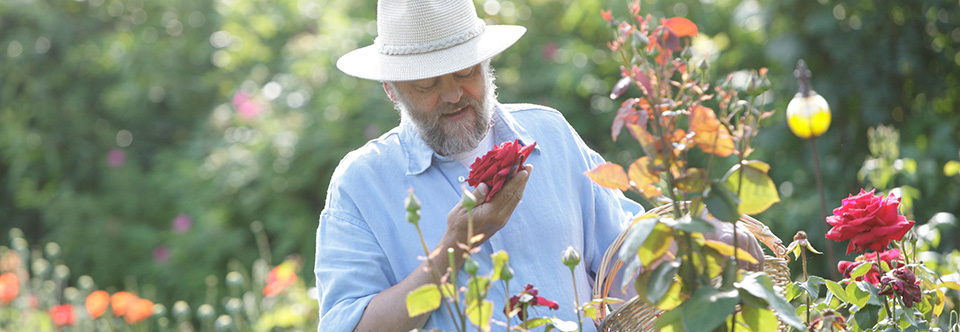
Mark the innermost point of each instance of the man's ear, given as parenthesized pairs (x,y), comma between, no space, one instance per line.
(390,91)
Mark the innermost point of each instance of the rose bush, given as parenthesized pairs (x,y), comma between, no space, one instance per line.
(868,221)
(498,165)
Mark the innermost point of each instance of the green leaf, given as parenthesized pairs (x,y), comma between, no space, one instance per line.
(536,322)
(480,314)
(692,225)
(669,317)
(660,280)
(721,203)
(656,244)
(635,237)
(759,285)
(868,316)
(812,290)
(872,290)
(477,288)
(708,308)
(759,319)
(422,300)
(949,284)
(757,191)
(499,258)
(836,290)
(448,290)
(857,296)
(860,270)
(792,290)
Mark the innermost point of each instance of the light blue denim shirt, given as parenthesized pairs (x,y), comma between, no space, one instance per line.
(365,244)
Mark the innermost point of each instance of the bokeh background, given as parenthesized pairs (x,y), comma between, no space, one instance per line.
(145,137)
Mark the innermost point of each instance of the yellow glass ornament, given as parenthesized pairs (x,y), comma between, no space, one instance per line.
(808,116)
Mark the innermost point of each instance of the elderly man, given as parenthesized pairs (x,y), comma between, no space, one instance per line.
(433,59)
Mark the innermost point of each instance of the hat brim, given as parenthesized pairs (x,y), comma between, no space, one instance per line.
(368,63)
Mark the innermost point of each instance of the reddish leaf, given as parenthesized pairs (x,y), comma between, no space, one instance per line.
(643,177)
(635,7)
(629,113)
(682,27)
(643,81)
(607,15)
(667,38)
(711,136)
(648,142)
(609,175)
(620,88)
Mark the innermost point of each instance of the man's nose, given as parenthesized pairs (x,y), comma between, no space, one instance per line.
(450,90)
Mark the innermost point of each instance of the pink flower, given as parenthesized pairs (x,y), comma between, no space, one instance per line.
(161,254)
(498,165)
(116,158)
(892,257)
(182,223)
(868,221)
(247,107)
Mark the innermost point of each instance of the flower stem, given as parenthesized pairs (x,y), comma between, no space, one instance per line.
(433,269)
(576,297)
(803,257)
(506,285)
(886,306)
(823,203)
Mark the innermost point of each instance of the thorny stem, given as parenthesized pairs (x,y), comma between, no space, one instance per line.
(576,297)
(433,269)
(803,257)
(886,306)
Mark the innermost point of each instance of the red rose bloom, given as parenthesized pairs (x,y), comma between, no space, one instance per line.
(529,298)
(903,282)
(868,221)
(892,257)
(498,165)
(62,315)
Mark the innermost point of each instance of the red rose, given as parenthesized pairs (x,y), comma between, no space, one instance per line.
(892,257)
(868,221)
(526,299)
(62,315)
(498,165)
(903,282)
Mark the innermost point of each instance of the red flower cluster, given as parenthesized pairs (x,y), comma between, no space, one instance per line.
(868,221)
(62,315)
(527,298)
(903,282)
(280,278)
(892,257)
(498,165)
(9,287)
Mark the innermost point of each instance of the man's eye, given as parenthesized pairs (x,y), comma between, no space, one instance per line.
(465,73)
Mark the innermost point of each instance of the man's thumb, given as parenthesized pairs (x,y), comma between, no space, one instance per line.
(480,192)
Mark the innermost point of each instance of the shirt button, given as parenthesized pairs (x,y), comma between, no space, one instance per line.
(461,178)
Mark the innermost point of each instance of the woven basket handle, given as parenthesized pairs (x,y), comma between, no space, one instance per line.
(611,264)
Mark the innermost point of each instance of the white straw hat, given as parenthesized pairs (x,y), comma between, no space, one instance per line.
(419,39)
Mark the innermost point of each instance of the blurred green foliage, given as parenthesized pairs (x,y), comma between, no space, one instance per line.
(146,136)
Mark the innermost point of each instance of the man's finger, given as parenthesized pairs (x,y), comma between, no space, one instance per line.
(480,192)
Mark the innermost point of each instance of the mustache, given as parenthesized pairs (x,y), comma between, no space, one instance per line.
(464,102)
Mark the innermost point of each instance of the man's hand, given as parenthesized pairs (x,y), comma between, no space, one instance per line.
(489,217)
(723,232)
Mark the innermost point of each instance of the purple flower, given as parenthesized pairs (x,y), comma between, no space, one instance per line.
(116,158)
(903,282)
(247,107)
(182,224)
(161,254)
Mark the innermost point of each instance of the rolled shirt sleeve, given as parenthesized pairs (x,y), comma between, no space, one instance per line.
(354,270)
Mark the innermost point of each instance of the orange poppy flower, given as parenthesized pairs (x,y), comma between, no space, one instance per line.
(97,303)
(120,302)
(9,287)
(63,315)
(138,310)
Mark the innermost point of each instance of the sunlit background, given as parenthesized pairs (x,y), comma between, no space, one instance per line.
(145,137)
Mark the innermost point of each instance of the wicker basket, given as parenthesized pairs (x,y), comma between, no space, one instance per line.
(636,315)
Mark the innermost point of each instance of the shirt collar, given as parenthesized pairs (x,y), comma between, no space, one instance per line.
(420,156)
